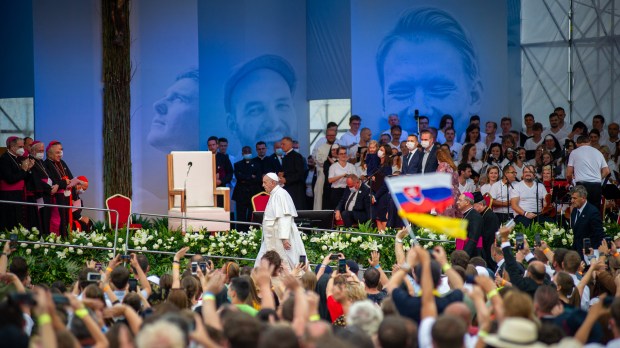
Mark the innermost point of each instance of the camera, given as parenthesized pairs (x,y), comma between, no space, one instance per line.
(342,266)
(520,242)
(126,257)
(335,255)
(587,244)
(93,277)
(302,259)
(133,284)
(203,267)
(13,240)
(60,300)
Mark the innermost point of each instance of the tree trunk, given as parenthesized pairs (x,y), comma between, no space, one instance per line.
(116,98)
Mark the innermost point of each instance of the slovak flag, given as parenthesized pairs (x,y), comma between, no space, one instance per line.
(417,195)
(421,193)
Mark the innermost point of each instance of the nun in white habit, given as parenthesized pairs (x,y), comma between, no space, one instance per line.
(279,230)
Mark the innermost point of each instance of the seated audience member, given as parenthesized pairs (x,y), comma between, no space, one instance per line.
(354,206)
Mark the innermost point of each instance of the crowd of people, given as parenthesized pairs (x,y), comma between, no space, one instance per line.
(528,297)
(491,291)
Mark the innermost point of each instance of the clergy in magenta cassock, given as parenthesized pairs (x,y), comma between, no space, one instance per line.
(279,230)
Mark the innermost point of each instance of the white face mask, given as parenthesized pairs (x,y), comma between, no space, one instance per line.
(20,151)
(380,153)
(410,145)
(38,155)
(425,144)
(61,153)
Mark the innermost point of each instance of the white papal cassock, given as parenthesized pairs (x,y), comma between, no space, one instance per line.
(278,224)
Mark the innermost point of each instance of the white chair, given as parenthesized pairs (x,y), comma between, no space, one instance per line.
(194,194)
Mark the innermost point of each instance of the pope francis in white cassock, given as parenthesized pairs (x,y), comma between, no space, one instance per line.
(279,230)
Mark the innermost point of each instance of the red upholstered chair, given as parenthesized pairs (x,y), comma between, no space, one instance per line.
(259,201)
(488,200)
(122,204)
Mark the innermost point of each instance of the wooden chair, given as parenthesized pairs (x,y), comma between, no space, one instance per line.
(192,192)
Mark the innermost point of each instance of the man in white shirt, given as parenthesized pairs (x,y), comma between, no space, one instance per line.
(500,192)
(527,199)
(537,139)
(455,147)
(555,129)
(323,140)
(588,167)
(612,132)
(566,127)
(352,136)
(393,120)
(490,130)
(598,123)
(465,183)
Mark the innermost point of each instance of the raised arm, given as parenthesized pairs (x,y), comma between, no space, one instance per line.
(144,282)
(453,277)
(176,265)
(375,262)
(429,307)
(399,251)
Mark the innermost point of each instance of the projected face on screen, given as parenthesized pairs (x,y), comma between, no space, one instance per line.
(428,63)
(175,125)
(259,101)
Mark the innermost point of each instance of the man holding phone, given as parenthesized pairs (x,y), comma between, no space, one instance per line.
(585,220)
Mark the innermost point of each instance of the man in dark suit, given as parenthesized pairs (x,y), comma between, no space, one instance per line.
(465,204)
(354,206)
(429,157)
(490,225)
(413,161)
(249,180)
(292,174)
(261,157)
(585,219)
(273,162)
(224,169)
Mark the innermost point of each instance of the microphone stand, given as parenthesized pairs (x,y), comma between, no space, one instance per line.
(189,167)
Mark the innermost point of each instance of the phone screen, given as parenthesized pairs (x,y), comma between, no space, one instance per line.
(519,240)
(587,245)
(194,267)
(302,259)
(342,266)
(537,239)
(133,285)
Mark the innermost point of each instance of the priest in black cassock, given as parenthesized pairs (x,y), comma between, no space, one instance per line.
(490,225)
(293,174)
(14,171)
(60,174)
(40,189)
(249,180)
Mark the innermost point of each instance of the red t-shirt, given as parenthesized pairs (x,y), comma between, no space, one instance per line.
(334,308)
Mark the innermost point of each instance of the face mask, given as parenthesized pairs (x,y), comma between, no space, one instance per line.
(61,153)
(353,189)
(296,150)
(20,151)
(80,191)
(425,143)
(410,145)
(247,156)
(39,156)
(380,153)
(279,152)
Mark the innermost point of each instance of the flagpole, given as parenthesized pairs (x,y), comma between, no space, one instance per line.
(412,235)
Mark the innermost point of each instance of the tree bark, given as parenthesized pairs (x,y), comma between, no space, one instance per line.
(116,98)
